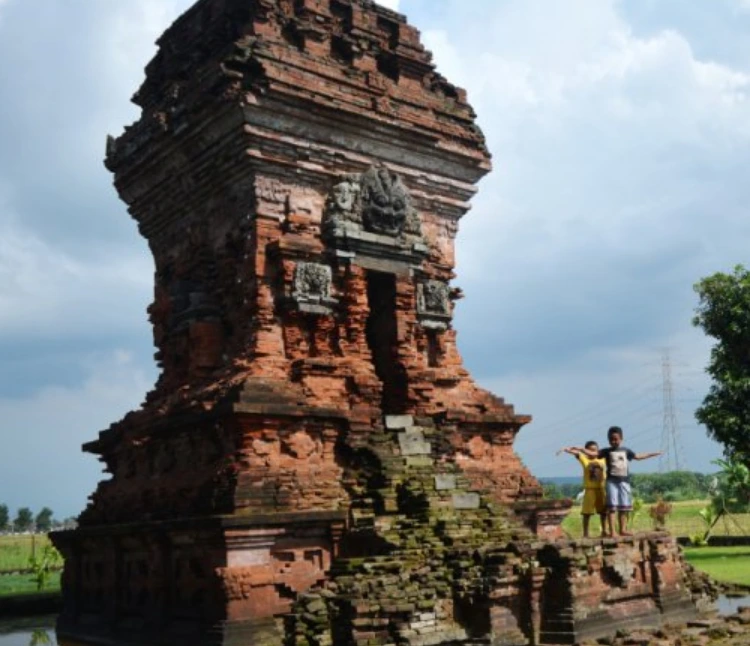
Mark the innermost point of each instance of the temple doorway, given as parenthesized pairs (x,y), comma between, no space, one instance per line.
(382,339)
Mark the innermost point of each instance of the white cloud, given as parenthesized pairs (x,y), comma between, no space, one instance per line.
(621,118)
(617,184)
(390,4)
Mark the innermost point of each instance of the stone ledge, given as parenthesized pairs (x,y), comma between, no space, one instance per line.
(206,523)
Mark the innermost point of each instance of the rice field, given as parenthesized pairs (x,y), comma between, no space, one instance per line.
(17,549)
(683,521)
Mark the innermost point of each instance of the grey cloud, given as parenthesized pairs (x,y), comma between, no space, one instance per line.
(41,434)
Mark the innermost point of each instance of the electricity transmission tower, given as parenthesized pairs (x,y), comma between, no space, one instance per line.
(672,458)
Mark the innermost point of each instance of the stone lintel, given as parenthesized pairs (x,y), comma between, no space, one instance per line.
(389,266)
(287,410)
(380,252)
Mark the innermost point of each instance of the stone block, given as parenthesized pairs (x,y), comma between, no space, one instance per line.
(394,422)
(412,442)
(445,481)
(466,501)
(419,461)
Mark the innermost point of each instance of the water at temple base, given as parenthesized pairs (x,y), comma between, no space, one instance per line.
(726,604)
(31,631)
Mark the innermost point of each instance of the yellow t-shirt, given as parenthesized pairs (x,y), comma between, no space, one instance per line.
(594,471)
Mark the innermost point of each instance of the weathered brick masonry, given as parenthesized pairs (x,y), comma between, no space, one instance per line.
(315,465)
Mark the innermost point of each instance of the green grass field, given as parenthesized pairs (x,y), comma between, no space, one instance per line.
(684,521)
(15,551)
(17,584)
(726,564)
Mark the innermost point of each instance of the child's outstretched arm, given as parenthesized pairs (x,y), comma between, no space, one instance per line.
(571,450)
(646,456)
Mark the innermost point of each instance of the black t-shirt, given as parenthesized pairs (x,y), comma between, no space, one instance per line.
(617,463)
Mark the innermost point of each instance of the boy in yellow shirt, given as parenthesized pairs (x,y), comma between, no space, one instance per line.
(594,488)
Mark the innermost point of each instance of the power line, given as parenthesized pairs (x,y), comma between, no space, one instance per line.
(672,458)
(599,410)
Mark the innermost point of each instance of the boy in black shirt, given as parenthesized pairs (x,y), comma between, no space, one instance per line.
(619,495)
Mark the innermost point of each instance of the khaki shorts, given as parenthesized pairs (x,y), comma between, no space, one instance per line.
(594,501)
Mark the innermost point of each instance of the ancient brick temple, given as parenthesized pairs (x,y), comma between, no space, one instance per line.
(315,465)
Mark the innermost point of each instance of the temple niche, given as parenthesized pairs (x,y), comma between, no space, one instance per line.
(315,465)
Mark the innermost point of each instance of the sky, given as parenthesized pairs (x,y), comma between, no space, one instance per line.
(620,134)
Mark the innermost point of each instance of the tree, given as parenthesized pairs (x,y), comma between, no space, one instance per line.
(733,486)
(4,517)
(732,495)
(723,313)
(24,520)
(44,519)
(671,486)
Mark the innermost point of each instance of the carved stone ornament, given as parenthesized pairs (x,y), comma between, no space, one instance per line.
(343,201)
(433,297)
(312,281)
(385,202)
(376,201)
(433,304)
(312,288)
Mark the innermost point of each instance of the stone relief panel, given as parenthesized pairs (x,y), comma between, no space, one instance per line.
(376,202)
(295,469)
(135,582)
(312,281)
(93,581)
(343,202)
(434,304)
(312,286)
(385,202)
(191,583)
(303,447)
(433,297)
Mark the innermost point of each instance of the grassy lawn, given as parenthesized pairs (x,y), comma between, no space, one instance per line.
(16,584)
(16,550)
(727,564)
(684,521)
